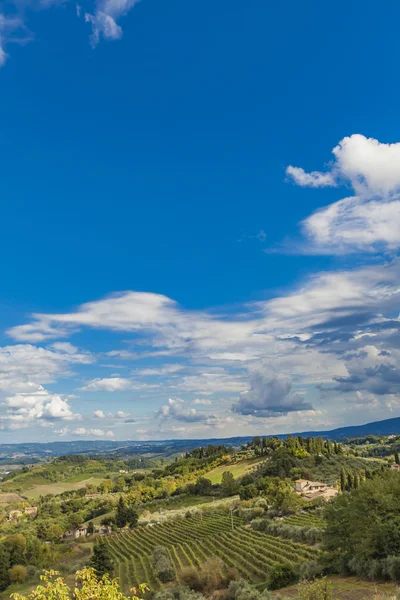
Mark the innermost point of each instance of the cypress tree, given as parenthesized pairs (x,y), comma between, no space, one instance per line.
(101,560)
(4,566)
(343,480)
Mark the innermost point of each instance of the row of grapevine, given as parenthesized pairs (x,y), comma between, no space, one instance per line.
(192,541)
(305,520)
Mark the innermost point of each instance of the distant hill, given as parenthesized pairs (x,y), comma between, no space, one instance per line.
(386,427)
(21,453)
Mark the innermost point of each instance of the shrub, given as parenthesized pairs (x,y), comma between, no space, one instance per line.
(310,569)
(317,589)
(281,576)
(18,574)
(162,564)
(191,576)
(392,567)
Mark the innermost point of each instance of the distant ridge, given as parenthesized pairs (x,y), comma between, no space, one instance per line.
(386,427)
(171,447)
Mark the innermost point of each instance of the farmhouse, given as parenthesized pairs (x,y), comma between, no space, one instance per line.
(14,514)
(314,489)
(395,467)
(102,529)
(76,533)
(31,511)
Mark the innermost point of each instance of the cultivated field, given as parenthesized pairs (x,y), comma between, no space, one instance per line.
(62,486)
(192,541)
(10,498)
(237,469)
(305,520)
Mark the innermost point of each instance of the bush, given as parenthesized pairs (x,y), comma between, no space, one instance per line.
(18,574)
(310,569)
(281,576)
(317,589)
(191,576)
(391,567)
(162,564)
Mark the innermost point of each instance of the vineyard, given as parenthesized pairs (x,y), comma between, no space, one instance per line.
(305,520)
(194,540)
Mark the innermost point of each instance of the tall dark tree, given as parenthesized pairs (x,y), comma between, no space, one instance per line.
(4,567)
(120,515)
(101,560)
(90,528)
(343,480)
(131,516)
(396,458)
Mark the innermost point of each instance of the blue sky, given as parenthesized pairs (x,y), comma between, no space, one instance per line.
(201,217)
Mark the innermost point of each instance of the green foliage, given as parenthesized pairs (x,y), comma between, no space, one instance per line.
(247,492)
(18,574)
(162,564)
(281,576)
(4,567)
(87,587)
(101,560)
(316,589)
(125,515)
(202,487)
(228,485)
(363,526)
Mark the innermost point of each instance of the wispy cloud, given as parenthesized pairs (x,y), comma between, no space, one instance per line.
(103,21)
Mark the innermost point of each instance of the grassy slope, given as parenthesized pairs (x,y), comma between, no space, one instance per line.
(347,588)
(63,486)
(238,470)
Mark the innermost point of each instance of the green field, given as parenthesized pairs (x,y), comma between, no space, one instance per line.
(237,469)
(63,486)
(192,541)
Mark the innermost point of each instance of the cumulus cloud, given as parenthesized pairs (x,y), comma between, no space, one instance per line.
(269,397)
(36,406)
(108,384)
(369,221)
(99,414)
(121,414)
(178,411)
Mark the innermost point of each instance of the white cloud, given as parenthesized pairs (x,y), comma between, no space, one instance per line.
(104,20)
(109,384)
(62,431)
(99,414)
(37,406)
(10,25)
(82,431)
(178,411)
(314,179)
(65,347)
(120,414)
(269,397)
(23,366)
(201,402)
(369,221)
